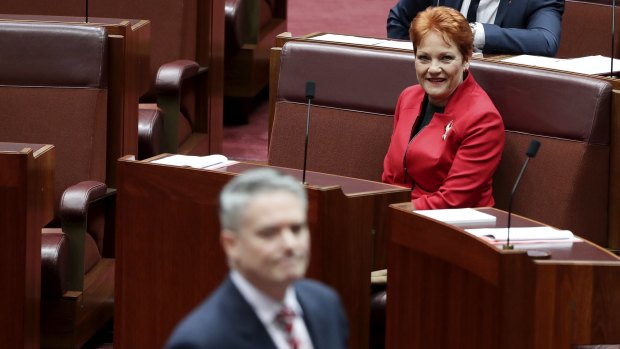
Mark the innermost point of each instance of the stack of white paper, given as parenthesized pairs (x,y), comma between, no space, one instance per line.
(458,216)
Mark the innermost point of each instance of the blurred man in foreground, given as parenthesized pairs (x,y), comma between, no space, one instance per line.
(265,302)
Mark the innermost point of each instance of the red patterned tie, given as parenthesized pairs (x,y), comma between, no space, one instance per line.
(284,319)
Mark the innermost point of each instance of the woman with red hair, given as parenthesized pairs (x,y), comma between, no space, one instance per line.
(448,136)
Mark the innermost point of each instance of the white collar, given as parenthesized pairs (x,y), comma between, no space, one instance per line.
(265,306)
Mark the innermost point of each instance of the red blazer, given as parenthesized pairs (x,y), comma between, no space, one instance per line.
(452,160)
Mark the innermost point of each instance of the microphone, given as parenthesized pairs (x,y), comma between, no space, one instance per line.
(531,152)
(310,88)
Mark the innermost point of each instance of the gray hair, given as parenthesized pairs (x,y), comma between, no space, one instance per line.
(237,194)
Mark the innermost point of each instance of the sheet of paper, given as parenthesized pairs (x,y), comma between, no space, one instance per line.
(591,65)
(536,61)
(594,65)
(348,39)
(193,161)
(404,45)
(458,215)
(523,234)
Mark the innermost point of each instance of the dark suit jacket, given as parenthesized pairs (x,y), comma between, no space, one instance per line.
(521,26)
(227,321)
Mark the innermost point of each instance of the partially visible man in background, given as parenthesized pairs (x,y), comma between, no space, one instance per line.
(265,302)
(499,26)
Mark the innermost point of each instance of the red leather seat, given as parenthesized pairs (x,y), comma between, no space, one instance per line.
(53,90)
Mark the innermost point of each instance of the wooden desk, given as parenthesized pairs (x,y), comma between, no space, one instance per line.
(449,289)
(168,255)
(26,205)
(128,77)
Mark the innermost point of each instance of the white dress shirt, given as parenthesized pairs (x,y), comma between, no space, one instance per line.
(487,11)
(266,308)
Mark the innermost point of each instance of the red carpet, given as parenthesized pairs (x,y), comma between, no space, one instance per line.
(353,17)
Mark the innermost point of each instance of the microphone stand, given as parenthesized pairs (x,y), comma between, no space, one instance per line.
(310,86)
(507,245)
(86,16)
(531,152)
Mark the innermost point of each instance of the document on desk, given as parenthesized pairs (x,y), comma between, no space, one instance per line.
(591,65)
(524,234)
(403,45)
(204,162)
(458,215)
(347,39)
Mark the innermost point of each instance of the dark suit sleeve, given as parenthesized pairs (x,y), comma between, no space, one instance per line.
(401,15)
(540,37)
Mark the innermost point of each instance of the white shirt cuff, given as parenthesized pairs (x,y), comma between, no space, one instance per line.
(479,37)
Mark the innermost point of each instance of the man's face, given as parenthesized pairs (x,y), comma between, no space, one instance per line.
(272,245)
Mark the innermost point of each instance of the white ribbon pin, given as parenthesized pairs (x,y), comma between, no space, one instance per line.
(447,129)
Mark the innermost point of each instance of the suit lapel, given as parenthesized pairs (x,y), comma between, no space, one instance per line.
(311,318)
(502,10)
(251,329)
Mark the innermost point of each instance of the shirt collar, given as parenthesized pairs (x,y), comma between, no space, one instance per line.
(265,307)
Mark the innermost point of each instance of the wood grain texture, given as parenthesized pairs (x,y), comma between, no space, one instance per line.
(26,204)
(169,257)
(450,289)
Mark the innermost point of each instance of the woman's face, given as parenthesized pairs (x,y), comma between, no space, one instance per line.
(439,66)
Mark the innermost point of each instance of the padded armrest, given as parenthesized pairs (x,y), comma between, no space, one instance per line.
(235,21)
(170,79)
(170,76)
(150,131)
(74,205)
(54,260)
(75,200)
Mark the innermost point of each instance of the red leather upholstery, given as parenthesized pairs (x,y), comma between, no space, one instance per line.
(53,90)
(54,260)
(183,29)
(251,29)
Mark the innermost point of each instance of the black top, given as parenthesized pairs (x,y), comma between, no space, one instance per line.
(428,110)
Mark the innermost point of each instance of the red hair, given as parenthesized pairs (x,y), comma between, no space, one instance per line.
(446,21)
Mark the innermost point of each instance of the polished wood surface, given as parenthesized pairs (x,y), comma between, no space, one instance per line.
(169,257)
(26,204)
(447,288)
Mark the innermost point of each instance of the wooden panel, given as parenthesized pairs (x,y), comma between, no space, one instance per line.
(26,204)
(169,257)
(449,289)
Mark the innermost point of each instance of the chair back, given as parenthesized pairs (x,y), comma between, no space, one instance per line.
(566,185)
(53,90)
(351,114)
